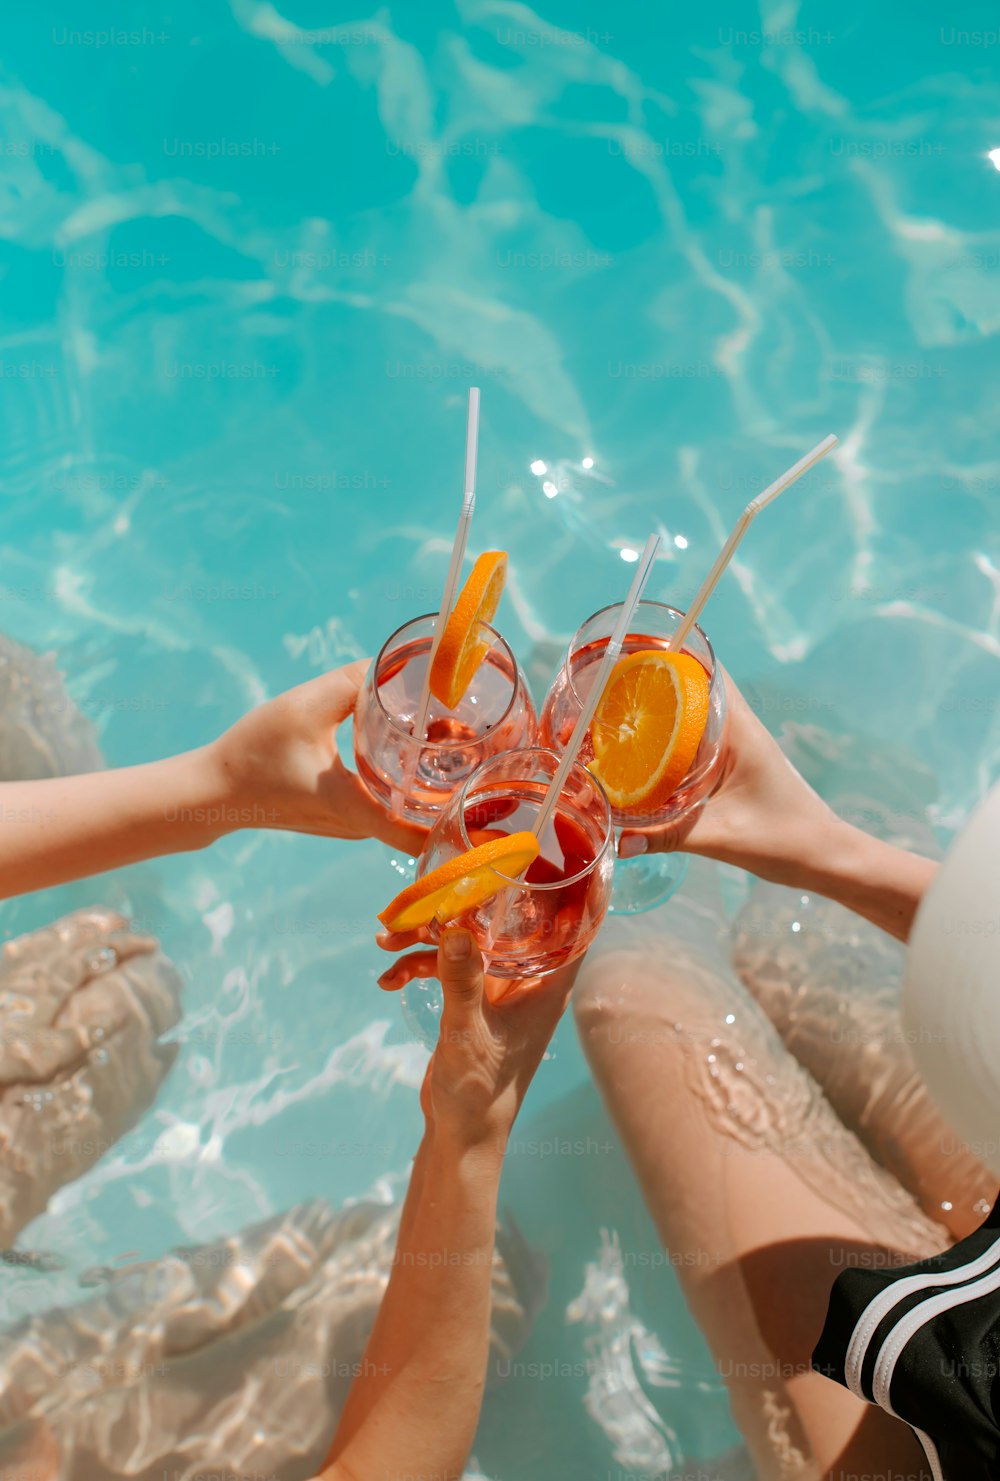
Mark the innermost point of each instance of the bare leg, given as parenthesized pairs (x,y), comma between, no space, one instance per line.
(830,986)
(758,1191)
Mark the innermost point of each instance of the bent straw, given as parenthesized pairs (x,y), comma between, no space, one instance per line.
(739,529)
(611,655)
(457,556)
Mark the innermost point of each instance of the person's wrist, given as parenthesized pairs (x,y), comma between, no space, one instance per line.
(469,1136)
(204,800)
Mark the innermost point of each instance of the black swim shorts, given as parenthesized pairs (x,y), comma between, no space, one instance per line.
(923,1342)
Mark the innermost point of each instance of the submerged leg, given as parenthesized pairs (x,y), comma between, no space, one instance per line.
(830,985)
(759,1193)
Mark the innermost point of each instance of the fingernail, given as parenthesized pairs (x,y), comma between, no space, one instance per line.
(385,978)
(457,946)
(632,846)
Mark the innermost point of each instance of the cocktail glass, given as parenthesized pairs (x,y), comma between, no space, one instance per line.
(640,883)
(415,777)
(551,916)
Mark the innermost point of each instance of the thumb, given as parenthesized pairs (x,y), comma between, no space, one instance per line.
(338,690)
(354,674)
(460,972)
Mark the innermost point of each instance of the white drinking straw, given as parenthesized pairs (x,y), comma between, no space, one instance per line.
(739,530)
(498,915)
(457,556)
(611,655)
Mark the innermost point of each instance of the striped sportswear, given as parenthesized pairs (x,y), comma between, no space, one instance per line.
(923,1342)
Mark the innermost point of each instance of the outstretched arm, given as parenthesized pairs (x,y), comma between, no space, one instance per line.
(278,767)
(421,1382)
(66,827)
(875,879)
(765,817)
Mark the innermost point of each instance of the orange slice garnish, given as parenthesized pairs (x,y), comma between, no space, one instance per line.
(462,649)
(648,726)
(461,883)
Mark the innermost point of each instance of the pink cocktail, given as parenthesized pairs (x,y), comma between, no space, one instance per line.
(415,777)
(551,916)
(645,882)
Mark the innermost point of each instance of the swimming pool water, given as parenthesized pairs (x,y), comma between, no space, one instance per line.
(252,257)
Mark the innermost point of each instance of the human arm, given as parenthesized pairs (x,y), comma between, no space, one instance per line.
(421,1382)
(764,817)
(278,767)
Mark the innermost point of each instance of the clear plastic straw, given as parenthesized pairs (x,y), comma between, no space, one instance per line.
(739,529)
(498,915)
(457,556)
(611,656)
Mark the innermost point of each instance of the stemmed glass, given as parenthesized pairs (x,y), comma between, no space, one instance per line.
(415,777)
(551,916)
(640,883)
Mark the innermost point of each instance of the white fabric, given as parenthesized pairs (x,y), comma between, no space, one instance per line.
(951,990)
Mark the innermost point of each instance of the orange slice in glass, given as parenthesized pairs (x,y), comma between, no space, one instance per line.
(461,883)
(648,726)
(462,649)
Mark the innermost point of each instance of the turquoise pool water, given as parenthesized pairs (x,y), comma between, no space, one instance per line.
(252,258)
